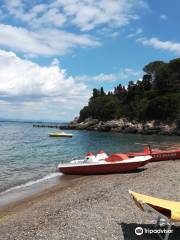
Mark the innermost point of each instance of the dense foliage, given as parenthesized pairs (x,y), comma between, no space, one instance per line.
(156,97)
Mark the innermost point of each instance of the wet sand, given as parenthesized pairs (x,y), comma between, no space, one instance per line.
(92,207)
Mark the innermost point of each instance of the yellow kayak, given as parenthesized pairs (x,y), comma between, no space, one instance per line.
(170,209)
(60,134)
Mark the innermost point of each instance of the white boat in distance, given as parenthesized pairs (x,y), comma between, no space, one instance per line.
(60,134)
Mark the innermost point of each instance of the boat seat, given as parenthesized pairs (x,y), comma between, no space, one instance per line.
(117,157)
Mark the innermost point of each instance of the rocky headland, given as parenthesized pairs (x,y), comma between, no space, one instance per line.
(125,126)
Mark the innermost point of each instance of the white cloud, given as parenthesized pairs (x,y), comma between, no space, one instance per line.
(163,17)
(100,77)
(32,88)
(88,14)
(51,17)
(135,33)
(129,72)
(55,28)
(84,14)
(42,42)
(170,46)
(123,74)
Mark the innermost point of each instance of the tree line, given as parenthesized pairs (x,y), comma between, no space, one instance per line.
(155,97)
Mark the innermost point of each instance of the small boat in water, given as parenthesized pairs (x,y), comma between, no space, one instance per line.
(102,164)
(157,155)
(60,134)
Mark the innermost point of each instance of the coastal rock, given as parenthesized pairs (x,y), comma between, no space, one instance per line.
(114,123)
(125,126)
(91,121)
(92,128)
(150,125)
(167,129)
(130,129)
(75,124)
(82,126)
(139,127)
(116,129)
(103,127)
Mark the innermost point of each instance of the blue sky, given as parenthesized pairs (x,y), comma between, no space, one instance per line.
(54,52)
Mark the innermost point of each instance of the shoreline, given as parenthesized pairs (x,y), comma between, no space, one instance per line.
(90,207)
(29,200)
(120,126)
(20,195)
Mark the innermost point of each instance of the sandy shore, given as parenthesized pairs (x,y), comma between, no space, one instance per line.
(92,207)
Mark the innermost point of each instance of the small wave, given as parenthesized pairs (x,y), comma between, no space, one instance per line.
(32,182)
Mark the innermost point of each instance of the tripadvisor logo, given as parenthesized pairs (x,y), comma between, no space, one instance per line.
(139,231)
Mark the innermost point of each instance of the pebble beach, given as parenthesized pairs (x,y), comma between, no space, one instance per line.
(92,207)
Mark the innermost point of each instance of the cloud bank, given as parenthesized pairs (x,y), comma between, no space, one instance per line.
(36,88)
(83,14)
(170,46)
(57,27)
(44,42)
(123,74)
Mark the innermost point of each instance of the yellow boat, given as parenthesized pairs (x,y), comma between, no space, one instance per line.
(60,134)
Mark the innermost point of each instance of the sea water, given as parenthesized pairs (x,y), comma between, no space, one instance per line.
(29,156)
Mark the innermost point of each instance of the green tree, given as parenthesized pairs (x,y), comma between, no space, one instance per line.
(96,93)
(102,93)
(174,77)
(85,113)
(152,68)
(156,96)
(163,108)
(103,107)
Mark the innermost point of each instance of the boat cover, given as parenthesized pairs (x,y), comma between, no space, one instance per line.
(170,209)
(117,157)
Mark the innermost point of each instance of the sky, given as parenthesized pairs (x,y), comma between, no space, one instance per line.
(54,52)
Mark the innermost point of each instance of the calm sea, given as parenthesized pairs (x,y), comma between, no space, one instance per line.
(27,154)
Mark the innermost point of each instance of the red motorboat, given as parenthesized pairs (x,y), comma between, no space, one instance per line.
(157,155)
(116,163)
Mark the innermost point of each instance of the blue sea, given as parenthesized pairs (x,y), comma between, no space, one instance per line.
(29,155)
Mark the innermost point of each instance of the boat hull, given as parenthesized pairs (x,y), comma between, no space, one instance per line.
(101,168)
(61,136)
(158,155)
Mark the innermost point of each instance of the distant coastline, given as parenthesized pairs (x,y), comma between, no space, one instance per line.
(32,121)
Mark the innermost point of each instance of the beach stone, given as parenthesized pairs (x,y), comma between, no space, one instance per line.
(92,207)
